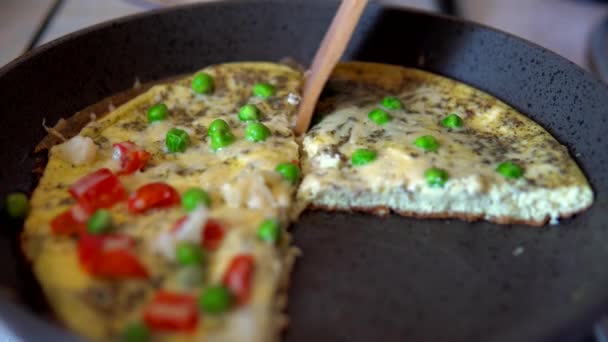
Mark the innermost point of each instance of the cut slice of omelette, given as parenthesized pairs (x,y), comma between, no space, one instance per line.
(141,226)
(404,140)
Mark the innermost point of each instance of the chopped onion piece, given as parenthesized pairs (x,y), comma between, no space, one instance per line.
(79,150)
(293,99)
(190,230)
(249,190)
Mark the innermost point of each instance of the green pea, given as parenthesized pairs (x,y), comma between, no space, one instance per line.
(256,132)
(249,112)
(202,83)
(215,300)
(194,197)
(100,222)
(158,112)
(135,332)
(217,125)
(190,277)
(363,156)
(177,140)
(17,205)
(188,254)
(391,102)
(452,121)
(263,90)
(221,139)
(379,116)
(269,231)
(289,171)
(427,143)
(435,177)
(509,169)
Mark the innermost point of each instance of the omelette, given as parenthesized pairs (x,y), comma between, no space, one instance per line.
(167,216)
(404,140)
(166,219)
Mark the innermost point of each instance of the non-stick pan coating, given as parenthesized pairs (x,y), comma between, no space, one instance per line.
(361,278)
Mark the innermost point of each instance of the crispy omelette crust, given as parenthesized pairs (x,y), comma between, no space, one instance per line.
(552,186)
(97,308)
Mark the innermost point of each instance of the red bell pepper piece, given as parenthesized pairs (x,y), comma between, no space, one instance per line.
(130,156)
(171,311)
(238,277)
(71,221)
(153,195)
(213,234)
(100,189)
(110,255)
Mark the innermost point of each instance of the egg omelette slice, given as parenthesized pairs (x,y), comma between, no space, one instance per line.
(408,141)
(167,216)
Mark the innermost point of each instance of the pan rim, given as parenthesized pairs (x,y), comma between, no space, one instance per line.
(21,59)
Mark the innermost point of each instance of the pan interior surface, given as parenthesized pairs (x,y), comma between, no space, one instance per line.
(360,277)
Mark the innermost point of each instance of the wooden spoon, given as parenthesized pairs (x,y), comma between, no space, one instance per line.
(331,49)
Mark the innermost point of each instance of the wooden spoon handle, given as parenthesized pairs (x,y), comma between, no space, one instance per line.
(329,53)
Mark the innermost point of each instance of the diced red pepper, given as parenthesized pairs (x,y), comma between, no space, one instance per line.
(110,256)
(130,156)
(295,161)
(153,195)
(100,189)
(173,312)
(213,234)
(72,221)
(238,277)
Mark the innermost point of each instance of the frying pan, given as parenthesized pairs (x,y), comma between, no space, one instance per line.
(361,277)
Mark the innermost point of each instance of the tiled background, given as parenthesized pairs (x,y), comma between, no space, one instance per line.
(560,25)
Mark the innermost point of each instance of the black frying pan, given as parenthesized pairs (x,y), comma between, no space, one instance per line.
(361,278)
